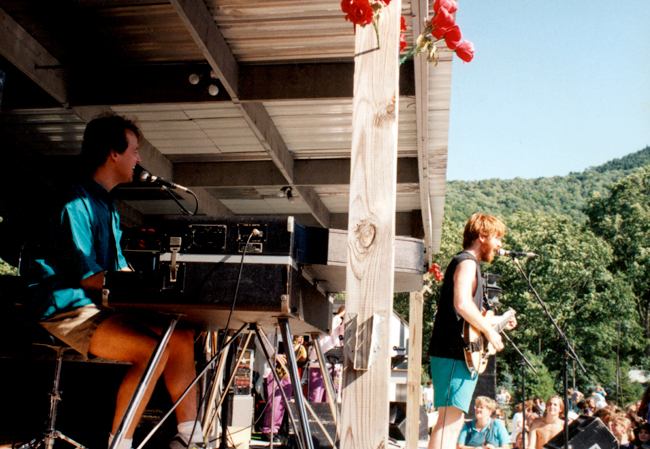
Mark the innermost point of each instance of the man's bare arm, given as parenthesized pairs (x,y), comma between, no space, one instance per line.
(532,438)
(464,288)
(94,281)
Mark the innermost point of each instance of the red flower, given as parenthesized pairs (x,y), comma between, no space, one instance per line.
(450,5)
(402,42)
(402,24)
(443,19)
(435,270)
(453,36)
(358,12)
(465,51)
(438,32)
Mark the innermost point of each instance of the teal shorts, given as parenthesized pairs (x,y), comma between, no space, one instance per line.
(453,384)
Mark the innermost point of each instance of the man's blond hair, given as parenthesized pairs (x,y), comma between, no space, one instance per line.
(482,225)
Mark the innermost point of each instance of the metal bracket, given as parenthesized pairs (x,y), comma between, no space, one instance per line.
(174,247)
(363,342)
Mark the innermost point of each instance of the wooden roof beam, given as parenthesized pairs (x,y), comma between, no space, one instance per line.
(306,173)
(168,83)
(28,55)
(208,38)
(421,71)
(262,125)
(199,22)
(156,162)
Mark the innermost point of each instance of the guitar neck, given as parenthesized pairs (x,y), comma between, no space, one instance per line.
(505,319)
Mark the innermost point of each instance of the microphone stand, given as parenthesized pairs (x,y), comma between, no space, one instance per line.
(569,353)
(523,363)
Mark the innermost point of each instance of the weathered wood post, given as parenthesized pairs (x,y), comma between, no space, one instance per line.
(371,234)
(413,382)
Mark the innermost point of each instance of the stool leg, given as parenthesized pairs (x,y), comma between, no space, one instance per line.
(55,398)
(51,434)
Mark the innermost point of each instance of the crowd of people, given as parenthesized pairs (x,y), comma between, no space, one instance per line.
(499,423)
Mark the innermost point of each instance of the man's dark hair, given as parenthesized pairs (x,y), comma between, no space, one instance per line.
(102,135)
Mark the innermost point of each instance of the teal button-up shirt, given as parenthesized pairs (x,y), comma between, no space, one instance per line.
(84,240)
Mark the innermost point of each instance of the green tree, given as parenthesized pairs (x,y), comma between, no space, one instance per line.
(623,219)
(581,294)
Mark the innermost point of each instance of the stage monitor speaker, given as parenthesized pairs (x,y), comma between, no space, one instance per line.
(585,432)
(486,384)
(324,413)
(397,416)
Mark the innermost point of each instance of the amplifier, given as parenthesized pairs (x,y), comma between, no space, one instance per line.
(196,271)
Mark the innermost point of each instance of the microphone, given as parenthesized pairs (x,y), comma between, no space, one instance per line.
(505,252)
(145,176)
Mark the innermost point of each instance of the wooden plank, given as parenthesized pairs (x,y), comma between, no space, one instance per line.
(208,38)
(309,172)
(23,51)
(421,71)
(371,232)
(413,382)
(269,136)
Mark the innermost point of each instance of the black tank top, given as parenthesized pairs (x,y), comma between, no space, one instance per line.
(447,336)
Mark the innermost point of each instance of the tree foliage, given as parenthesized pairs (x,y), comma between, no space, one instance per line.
(623,219)
(581,295)
(564,195)
(593,232)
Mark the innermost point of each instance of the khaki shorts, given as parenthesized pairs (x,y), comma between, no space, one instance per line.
(76,328)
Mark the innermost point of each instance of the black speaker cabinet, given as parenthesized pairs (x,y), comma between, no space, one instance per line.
(397,417)
(585,432)
(486,385)
(322,410)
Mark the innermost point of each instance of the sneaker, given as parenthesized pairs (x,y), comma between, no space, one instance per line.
(277,441)
(178,442)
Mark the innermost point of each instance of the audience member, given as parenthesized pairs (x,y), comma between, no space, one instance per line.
(543,429)
(642,434)
(484,431)
(517,422)
(620,427)
(643,409)
(427,397)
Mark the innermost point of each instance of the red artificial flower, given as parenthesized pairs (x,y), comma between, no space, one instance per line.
(465,51)
(453,36)
(450,5)
(435,270)
(402,24)
(402,42)
(358,12)
(443,19)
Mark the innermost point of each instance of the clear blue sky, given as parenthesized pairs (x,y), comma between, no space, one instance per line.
(555,87)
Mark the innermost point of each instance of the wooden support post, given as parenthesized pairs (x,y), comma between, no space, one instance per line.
(413,382)
(371,234)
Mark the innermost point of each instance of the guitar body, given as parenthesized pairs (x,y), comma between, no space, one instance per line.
(477,348)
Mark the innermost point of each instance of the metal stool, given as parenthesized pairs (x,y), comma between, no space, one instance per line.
(51,434)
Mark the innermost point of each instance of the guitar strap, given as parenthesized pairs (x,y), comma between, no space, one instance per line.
(488,431)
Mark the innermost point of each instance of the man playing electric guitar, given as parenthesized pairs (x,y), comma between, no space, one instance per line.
(461,300)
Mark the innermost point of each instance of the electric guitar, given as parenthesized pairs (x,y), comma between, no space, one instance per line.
(477,347)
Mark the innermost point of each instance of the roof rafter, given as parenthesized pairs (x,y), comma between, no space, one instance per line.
(197,18)
(307,173)
(27,54)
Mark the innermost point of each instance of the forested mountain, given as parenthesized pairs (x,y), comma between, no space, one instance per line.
(565,195)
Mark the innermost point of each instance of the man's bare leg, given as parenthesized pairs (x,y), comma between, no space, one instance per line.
(179,372)
(448,426)
(120,339)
